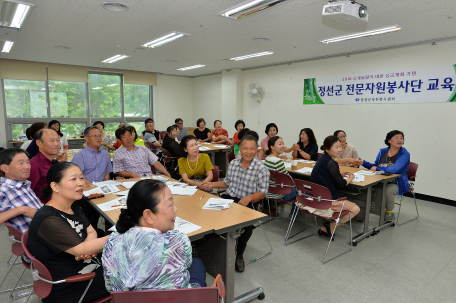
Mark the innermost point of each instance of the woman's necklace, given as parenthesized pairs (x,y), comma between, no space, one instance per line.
(188,163)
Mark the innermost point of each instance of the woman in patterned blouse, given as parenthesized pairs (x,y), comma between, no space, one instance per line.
(145,253)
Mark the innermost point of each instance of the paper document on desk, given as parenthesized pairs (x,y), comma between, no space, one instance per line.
(129,184)
(221,145)
(93,191)
(160,178)
(175,184)
(185,226)
(287,165)
(305,161)
(122,193)
(111,182)
(365,172)
(218,204)
(204,148)
(113,204)
(182,191)
(358,178)
(104,189)
(304,170)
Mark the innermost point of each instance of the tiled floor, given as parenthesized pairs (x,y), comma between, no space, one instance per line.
(414,262)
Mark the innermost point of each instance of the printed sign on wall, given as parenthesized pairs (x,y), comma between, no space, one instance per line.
(434,84)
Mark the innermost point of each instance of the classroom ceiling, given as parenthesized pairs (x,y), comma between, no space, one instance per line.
(294,29)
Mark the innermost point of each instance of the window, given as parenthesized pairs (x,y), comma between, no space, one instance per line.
(136,100)
(25,99)
(67,99)
(110,128)
(72,130)
(18,131)
(104,95)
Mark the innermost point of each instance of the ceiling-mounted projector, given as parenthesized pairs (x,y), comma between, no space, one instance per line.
(348,12)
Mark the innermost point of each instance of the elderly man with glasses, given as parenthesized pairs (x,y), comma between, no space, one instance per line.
(94,162)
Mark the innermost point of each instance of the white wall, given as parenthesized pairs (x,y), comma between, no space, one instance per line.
(428,128)
(173,99)
(3,141)
(207,100)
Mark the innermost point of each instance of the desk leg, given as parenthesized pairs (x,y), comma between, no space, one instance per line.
(366,233)
(381,223)
(228,274)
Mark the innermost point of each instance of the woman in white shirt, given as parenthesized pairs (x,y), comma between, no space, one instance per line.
(54,124)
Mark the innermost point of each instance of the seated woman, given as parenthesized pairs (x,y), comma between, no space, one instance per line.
(326,173)
(202,133)
(137,141)
(55,125)
(349,152)
(307,147)
(393,159)
(195,168)
(171,145)
(220,135)
(275,163)
(271,131)
(239,125)
(145,253)
(61,237)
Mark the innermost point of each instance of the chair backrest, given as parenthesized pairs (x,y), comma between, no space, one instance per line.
(319,155)
(188,295)
(280,183)
(162,135)
(230,156)
(412,168)
(313,195)
(151,146)
(16,246)
(215,174)
(41,288)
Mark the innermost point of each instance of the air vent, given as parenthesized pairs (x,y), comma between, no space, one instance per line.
(250,8)
(259,39)
(333,9)
(114,6)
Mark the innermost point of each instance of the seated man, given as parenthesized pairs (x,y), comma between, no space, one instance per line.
(18,202)
(48,141)
(247,180)
(134,161)
(150,134)
(183,130)
(94,162)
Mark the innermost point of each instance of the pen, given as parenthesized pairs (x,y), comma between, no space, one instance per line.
(201,197)
(116,205)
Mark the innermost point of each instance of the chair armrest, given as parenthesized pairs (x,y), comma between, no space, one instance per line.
(105,299)
(221,191)
(342,199)
(80,278)
(221,289)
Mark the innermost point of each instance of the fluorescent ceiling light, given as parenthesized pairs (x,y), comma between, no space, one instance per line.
(191,67)
(14,14)
(252,56)
(165,39)
(251,7)
(7,46)
(378,31)
(115,58)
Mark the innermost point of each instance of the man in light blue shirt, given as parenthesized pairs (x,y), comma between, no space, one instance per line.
(94,162)
(183,130)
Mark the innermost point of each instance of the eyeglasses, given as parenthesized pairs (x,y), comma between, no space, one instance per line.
(95,136)
(342,137)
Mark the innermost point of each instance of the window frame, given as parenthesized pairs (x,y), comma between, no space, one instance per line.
(88,120)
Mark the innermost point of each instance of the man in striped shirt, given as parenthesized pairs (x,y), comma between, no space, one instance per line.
(18,202)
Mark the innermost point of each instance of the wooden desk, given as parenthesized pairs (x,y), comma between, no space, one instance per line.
(223,164)
(215,242)
(367,184)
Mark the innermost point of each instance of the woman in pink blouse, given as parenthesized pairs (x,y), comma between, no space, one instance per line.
(349,152)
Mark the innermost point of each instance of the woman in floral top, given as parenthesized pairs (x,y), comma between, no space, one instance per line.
(145,253)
